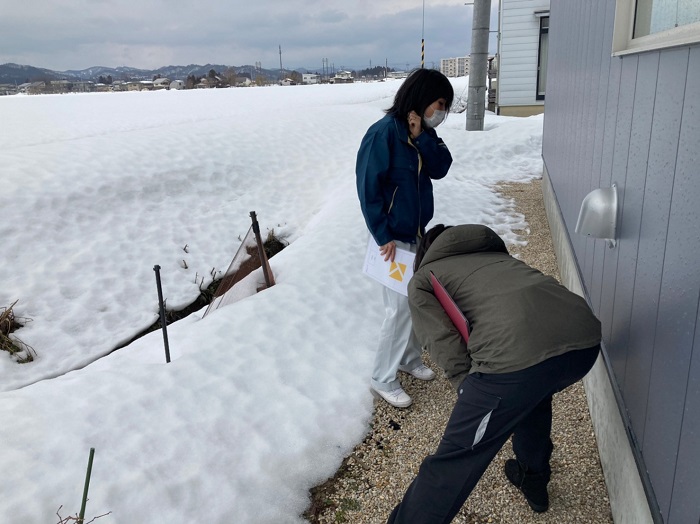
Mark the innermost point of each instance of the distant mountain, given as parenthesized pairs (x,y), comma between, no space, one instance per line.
(117,73)
(19,74)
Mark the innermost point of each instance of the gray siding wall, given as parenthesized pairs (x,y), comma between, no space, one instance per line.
(635,121)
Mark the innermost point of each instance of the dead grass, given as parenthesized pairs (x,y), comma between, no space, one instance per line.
(9,323)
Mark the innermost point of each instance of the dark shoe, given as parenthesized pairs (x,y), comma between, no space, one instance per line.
(532,485)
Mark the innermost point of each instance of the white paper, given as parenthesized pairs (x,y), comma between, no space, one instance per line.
(394,275)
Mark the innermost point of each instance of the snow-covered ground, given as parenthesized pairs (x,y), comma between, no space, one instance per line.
(263,397)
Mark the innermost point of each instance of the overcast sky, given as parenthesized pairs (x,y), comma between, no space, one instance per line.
(77,34)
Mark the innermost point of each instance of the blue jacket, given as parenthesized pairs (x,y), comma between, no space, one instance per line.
(394,181)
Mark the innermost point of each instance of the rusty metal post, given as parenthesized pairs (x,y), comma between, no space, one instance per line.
(261,249)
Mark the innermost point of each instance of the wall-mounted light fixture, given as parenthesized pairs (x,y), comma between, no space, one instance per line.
(598,215)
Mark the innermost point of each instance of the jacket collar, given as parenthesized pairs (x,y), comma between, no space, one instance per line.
(401,128)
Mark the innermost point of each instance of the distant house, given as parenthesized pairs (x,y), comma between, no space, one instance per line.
(82,86)
(243,81)
(161,83)
(177,84)
(35,88)
(397,74)
(8,89)
(63,86)
(522,56)
(311,78)
(287,82)
(342,77)
(139,85)
(210,82)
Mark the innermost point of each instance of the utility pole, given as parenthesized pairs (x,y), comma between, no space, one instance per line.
(478,65)
(281,73)
(422,40)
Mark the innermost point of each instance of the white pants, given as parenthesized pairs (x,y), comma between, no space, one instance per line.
(398,346)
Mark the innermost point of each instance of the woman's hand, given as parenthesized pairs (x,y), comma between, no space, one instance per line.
(388,251)
(415,124)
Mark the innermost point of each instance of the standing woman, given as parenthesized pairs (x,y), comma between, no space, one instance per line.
(398,157)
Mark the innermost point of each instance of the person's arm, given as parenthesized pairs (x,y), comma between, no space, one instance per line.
(437,159)
(371,168)
(435,331)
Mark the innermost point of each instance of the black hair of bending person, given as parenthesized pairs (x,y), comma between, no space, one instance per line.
(426,240)
(421,88)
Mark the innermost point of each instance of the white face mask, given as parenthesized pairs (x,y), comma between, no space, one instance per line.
(435,120)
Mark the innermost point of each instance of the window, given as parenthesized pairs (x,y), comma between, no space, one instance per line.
(642,25)
(654,16)
(542,57)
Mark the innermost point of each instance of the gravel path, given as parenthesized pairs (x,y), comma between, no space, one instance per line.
(373,478)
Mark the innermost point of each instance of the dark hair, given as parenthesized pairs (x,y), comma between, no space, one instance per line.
(425,243)
(421,88)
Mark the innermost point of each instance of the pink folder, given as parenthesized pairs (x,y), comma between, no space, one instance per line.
(450,307)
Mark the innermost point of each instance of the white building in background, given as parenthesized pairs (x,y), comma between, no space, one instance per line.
(342,77)
(161,83)
(397,74)
(522,56)
(310,78)
(453,67)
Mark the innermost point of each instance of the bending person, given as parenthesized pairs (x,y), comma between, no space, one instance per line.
(530,338)
(398,157)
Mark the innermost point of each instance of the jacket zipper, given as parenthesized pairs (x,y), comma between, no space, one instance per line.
(393,196)
(420,166)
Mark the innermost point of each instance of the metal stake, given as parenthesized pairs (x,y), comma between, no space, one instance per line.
(161,307)
(81,516)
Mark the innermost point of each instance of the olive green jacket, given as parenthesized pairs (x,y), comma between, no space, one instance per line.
(519,316)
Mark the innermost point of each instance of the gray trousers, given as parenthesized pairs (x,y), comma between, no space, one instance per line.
(398,346)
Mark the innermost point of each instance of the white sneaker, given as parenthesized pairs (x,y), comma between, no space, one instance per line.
(396,397)
(421,372)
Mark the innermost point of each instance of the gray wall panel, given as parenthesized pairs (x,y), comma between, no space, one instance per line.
(623,131)
(605,284)
(606,106)
(678,302)
(652,240)
(580,91)
(581,152)
(631,214)
(606,259)
(600,67)
(684,502)
(591,76)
